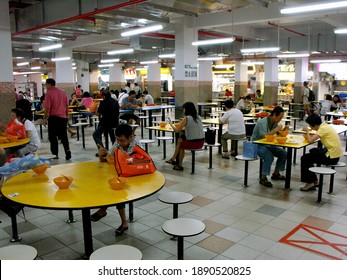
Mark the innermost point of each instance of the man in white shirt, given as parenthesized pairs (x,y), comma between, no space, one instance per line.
(30,131)
(236,128)
(127,88)
(121,96)
(148,97)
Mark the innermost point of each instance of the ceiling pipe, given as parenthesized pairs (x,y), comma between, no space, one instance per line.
(285,28)
(82,16)
(230,59)
(159,35)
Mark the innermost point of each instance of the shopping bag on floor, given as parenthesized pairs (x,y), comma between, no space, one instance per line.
(250,150)
(210,136)
(138,163)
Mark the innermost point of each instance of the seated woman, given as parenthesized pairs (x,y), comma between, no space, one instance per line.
(330,155)
(193,138)
(74,101)
(245,104)
(86,100)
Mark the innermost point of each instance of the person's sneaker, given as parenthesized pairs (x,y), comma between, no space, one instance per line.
(68,155)
(263,181)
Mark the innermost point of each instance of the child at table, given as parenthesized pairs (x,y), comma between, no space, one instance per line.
(125,142)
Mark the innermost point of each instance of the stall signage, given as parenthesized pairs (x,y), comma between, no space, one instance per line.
(286,68)
(190,71)
(129,73)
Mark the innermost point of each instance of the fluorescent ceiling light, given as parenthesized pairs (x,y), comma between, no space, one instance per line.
(210,58)
(325,60)
(213,41)
(20,57)
(25,73)
(293,55)
(142,30)
(124,24)
(314,7)
(253,63)
(168,55)
(50,47)
(105,65)
(142,20)
(74,64)
(340,30)
(315,52)
(35,68)
(109,60)
(22,63)
(131,50)
(260,50)
(64,58)
(149,62)
(74,68)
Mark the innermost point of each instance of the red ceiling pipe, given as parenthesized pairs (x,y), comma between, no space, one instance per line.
(286,29)
(82,16)
(120,44)
(159,35)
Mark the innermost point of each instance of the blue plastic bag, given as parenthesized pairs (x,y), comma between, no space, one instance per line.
(250,150)
(23,164)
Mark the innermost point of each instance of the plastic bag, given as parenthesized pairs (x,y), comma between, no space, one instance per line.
(22,164)
(250,150)
(138,163)
(210,136)
(16,128)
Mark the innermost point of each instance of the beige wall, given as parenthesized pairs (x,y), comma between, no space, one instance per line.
(7,100)
(205,91)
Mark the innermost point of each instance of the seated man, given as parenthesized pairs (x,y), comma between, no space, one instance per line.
(130,103)
(270,125)
(30,131)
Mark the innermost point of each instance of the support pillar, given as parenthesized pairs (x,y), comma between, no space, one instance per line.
(7,93)
(205,81)
(64,72)
(301,69)
(117,80)
(241,81)
(271,81)
(153,81)
(82,70)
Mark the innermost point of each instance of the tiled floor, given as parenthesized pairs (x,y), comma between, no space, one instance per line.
(241,223)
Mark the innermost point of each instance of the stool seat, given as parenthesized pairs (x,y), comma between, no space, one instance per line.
(146,142)
(240,157)
(339,164)
(175,197)
(183,227)
(18,252)
(322,170)
(116,252)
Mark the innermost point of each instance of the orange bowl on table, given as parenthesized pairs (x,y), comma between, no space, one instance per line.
(281,140)
(283,133)
(40,169)
(3,139)
(344,113)
(12,138)
(118,183)
(63,182)
(162,124)
(270,137)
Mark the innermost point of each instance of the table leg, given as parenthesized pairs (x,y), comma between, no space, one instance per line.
(87,233)
(15,237)
(220,131)
(41,134)
(131,212)
(150,123)
(83,140)
(175,210)
(288,168)
(210,158)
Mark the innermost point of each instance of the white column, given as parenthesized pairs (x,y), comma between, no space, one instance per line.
(82,70)
(301,69)
(117,80)
(241,81)
(64,72)
(205,81)
(153,81)
(271,81)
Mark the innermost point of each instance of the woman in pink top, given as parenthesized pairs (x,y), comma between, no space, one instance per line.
(86,100)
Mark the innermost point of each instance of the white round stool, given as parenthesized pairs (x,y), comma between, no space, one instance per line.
(146,142)
(246,160)
(175,198)
(18,252)
(321,171)
(116,252)
(183,227)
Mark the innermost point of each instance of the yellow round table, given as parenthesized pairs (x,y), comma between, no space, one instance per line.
(19,142)
(90,189)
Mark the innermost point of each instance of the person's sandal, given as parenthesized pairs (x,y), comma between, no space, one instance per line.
(277,177)
(177,167)
(171,161)
(120,230)
(226,156)
(97,216)
(307,188)
(265,182)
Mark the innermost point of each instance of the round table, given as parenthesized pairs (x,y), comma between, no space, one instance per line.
(19,142)
(90,189)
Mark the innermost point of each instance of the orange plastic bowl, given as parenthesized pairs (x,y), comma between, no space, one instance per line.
(118,183)
(63,182)
(12,138)
(281,140)
(344,113)
(283,133)
(40,169)
(269,137)
(3,140)
(162,124)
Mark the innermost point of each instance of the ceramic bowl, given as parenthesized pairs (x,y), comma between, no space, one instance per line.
(118,183)
(63,182)
(281,140)
(162,124)
(269,137)
(283,133)
(12,138)
(40,169)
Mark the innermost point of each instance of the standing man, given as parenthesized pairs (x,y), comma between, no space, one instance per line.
(305,94)
(56,111)
(270,125)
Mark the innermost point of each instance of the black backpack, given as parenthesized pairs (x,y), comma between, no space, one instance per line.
(311,95)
